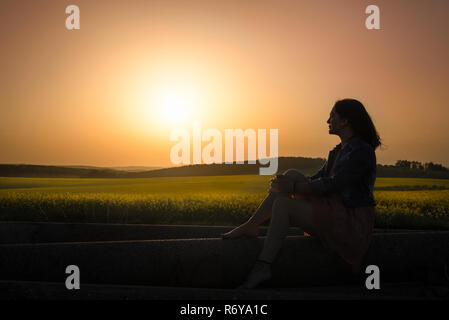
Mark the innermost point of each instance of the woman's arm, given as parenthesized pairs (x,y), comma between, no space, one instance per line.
(320,173)
(301,188)
(358,163)
(289,185)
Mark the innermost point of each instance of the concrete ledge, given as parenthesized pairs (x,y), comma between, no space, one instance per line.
(216,263)
(49,232)
(422,256)
(187,263)
(44,232)
(13,290)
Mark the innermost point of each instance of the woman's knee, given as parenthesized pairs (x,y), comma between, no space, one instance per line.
(295,174)
(291,172)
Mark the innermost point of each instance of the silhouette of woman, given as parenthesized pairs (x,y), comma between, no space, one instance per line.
(336,204)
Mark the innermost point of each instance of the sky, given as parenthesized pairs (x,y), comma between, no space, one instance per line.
(110,93)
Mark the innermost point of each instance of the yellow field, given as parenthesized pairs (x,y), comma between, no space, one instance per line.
(218,200)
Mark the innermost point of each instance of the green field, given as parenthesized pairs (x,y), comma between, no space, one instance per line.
(218,200)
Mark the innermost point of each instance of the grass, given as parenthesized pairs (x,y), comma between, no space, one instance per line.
(219,200)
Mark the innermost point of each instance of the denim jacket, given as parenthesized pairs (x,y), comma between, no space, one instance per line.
(353,176)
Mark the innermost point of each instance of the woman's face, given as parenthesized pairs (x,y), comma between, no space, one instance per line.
(336,123)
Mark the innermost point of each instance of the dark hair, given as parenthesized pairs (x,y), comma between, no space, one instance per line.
(359,119)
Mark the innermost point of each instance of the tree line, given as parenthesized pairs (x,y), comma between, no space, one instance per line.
(308,166)
(416,165)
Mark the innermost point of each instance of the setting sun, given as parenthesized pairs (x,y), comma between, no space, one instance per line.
(113,89)
(176,104)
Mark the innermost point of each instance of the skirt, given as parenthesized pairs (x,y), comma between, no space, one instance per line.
(344,230)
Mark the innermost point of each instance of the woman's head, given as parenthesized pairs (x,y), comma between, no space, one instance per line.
(352,113)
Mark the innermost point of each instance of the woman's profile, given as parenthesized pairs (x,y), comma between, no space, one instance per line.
(336,204)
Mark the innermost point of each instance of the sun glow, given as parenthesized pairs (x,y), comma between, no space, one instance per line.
(169,98)
(176,103)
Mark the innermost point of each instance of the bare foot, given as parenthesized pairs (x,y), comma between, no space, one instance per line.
(261,272)
(245,230)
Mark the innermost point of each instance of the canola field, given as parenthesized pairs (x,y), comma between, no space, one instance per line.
(218,200)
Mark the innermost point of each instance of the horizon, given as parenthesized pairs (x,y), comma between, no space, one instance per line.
(110,93)
(174,166)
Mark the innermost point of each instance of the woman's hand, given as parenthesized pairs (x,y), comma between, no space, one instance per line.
(286,184)
(282,184)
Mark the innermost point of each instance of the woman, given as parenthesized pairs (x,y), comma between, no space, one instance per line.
(336,204)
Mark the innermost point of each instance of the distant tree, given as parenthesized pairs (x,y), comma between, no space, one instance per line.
(430,166)
(403,164)
(417,165)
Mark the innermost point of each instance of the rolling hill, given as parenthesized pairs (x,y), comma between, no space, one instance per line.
(306,165)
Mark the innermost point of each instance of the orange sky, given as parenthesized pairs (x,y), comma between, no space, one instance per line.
(95,96)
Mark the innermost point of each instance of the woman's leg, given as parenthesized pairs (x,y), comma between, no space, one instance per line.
(263,212)
(251,227)
(286,211)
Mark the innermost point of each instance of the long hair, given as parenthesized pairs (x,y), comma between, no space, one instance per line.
(359,120)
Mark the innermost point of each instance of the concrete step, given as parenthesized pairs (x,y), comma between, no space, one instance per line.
(49,232)
(217,263)
(51,290)
(43,232)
